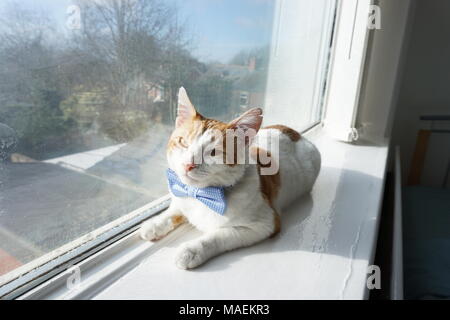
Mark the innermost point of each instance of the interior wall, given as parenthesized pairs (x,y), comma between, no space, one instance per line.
(425,88)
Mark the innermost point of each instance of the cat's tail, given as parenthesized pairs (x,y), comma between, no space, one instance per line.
(291,133)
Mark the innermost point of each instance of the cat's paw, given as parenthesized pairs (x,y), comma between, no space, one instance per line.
(151,231)
(190,256)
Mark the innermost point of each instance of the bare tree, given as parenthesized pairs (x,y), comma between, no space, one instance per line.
(24,49)
(97,77)
(131,37)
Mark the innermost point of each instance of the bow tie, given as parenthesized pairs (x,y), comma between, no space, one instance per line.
(212,197)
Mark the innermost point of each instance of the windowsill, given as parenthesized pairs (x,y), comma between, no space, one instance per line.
(327,241)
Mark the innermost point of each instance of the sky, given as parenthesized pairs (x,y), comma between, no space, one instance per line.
(219,28)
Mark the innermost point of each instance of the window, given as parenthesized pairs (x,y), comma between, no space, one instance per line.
(88,99)
(298,68)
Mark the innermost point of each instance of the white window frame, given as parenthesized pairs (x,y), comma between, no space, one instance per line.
(339,114)
(30,275)
(347,67)
(91,247)
(22,279)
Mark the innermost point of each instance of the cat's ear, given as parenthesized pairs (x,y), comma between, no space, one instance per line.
(186,110)
(251,119)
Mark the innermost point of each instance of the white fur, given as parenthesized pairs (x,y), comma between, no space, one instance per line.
(248,218)
(299,165)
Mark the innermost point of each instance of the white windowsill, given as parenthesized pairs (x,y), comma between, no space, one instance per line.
(327,241)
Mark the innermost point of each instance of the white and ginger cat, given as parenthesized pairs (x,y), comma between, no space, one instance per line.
(253,201)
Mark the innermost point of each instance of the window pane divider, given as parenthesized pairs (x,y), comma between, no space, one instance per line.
(53,263)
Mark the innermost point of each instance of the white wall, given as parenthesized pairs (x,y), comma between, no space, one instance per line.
(425,87)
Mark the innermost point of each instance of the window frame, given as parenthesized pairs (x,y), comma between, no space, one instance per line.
(54,288)
(323,76)
(351,40)
(88,252)
(50,265)
(126,248)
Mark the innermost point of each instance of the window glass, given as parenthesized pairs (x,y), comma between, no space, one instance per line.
(88,99)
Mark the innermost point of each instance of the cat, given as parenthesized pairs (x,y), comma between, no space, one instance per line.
(252,200)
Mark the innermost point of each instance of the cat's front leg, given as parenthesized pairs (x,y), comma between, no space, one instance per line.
(198,251)
(159,226)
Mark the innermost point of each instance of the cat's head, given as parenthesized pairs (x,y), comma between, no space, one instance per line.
(206,152)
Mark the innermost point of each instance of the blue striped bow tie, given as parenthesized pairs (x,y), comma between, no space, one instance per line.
(212,197)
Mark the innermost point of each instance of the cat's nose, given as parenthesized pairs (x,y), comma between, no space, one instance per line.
(189,167)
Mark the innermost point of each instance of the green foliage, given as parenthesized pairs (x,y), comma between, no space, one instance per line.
(16,117)
(87,108)
(40,127)
(46,127)
(123,125)
(211,95)
(84,107)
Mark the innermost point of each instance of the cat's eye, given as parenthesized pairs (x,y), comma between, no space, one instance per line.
(182,142)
